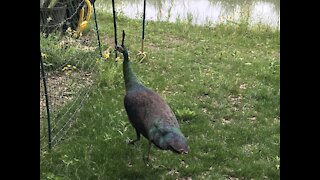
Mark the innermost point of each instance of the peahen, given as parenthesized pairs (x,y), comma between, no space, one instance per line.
(149,114)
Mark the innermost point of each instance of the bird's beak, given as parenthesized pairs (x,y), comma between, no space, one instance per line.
(184,152)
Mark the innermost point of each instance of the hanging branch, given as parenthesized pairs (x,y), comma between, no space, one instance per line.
(115,28)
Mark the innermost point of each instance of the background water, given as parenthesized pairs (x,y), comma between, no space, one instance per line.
(200,12)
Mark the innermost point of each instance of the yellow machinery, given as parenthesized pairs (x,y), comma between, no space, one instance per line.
(83,23)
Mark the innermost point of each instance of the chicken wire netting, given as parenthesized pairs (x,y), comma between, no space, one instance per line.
(69,70)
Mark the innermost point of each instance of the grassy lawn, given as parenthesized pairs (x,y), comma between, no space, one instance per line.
(223,83)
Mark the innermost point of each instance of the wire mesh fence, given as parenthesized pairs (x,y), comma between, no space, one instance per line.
(68,70)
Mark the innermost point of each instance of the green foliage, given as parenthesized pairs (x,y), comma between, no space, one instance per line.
(110,73)
(60,51)
(185,114)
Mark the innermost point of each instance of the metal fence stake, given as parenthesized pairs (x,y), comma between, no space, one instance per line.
(47,100)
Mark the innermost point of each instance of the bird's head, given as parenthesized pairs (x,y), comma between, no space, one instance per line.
(121,48)
(170,139)
(178,144)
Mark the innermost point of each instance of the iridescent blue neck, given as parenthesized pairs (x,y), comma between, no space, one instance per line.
(130,79)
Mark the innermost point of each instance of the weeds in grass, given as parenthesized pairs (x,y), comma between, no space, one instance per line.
(185,114)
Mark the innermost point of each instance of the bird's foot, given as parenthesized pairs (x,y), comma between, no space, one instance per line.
(133,141)
(147,160)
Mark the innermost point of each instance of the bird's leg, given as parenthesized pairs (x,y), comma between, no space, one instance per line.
(138,138)
(148,155)
(147,158)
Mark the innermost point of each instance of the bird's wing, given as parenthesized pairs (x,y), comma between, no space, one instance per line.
(145,107)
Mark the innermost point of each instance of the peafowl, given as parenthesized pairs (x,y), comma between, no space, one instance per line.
(149,114)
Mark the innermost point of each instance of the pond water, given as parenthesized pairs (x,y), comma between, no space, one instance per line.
(200,12)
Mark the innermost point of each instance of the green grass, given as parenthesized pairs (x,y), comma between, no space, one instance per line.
(224,85)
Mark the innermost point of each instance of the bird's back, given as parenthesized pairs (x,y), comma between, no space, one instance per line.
(145,108)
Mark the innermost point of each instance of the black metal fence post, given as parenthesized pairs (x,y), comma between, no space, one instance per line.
(97,29)
(47,100)
(143,24)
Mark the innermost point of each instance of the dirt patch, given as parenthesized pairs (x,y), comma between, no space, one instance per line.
(109,41)
(62,88)
(169,40)
(152,47)
(82,43)
(174,40)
